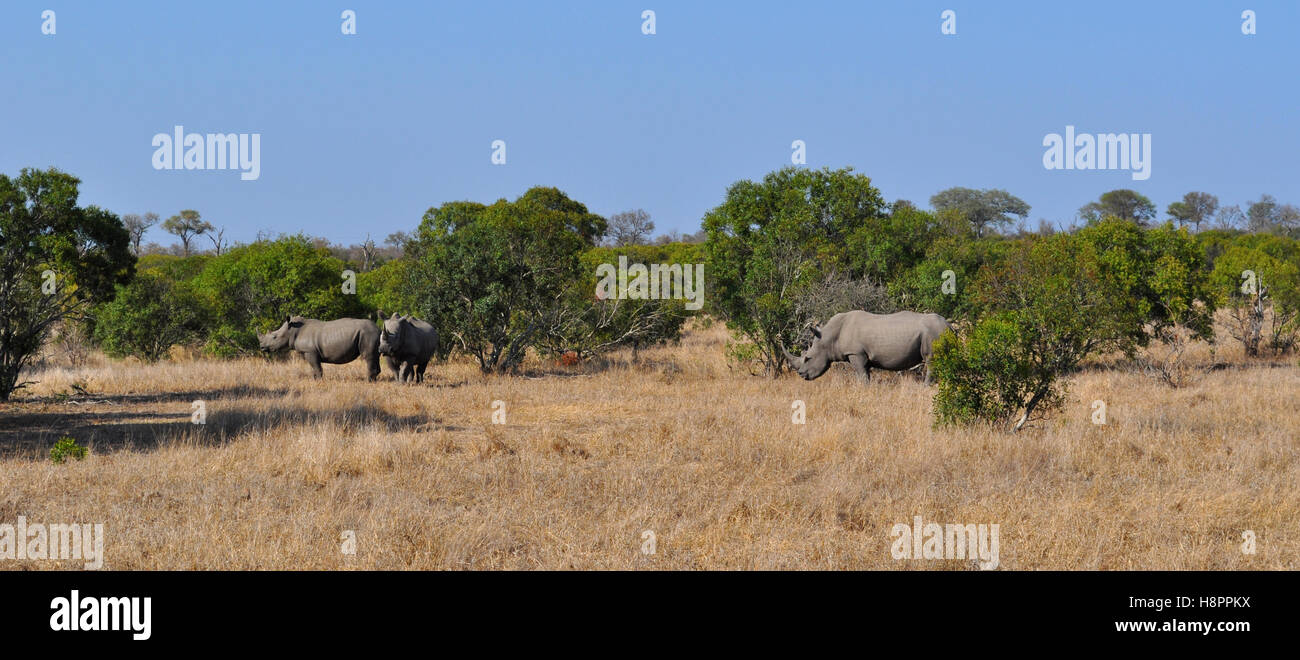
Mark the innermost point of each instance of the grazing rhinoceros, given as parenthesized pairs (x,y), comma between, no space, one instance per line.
(332,342)
(408,340)
(867,341)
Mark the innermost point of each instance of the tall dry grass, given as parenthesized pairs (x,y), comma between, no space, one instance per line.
(680,443)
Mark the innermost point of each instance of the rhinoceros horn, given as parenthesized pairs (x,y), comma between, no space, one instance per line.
(794,361)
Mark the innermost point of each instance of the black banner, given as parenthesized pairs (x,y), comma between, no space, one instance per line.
(942,609)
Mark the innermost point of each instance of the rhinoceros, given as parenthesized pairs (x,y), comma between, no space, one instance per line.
(331,342)
(408,343)
(893,342)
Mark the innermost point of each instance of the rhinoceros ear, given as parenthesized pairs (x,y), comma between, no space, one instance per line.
(394,317)
(817,332)
(288,319)
(379,314)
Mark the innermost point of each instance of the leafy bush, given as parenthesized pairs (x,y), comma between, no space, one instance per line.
(251,288)
(66,448)
(497,279)
(771,240)
(1272,309)
(59,260)
(985,377)
(148,316)
(1161,272)
(590,324)
(1051,304)
(384,288)
(921,287)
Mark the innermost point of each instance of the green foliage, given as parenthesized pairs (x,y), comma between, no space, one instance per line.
(595,324)
(175,268)
(384,288)
(1160,272)
(1049,303)
(982,209)
(148,316)
(1215,242)
(251,288)
(85,250)
(66,448)
(1275,262)
(882,247)
(496,279)
(984,378)
(770,241)
(921,287)
(1124,204)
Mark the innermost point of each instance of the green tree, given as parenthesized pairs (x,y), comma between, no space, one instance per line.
(770,241)
(1050,303)
(251,288)
(384,288)
(1123,204)
(1257,279)
(939,283)
(1193,209)
(186,226)
(983,209)
(592,324)
(882,247)
(1161,272)
(495,279)
(148,316)
(58,260)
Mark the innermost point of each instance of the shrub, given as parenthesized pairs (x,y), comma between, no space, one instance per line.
(1271,309)
(148,316)
(251,288)
(66,448)
(1051,303)
(497,279)
(771,240)
(985,377)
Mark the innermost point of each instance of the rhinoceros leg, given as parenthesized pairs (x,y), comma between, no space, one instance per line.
(313,359)
(419,372)
(395,366)
(859,364)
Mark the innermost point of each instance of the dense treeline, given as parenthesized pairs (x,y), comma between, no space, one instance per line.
(781,254)
(496,280)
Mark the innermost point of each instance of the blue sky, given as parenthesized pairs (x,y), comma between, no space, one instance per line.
(361,134)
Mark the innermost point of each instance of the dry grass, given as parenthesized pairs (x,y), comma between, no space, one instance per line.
(704,455)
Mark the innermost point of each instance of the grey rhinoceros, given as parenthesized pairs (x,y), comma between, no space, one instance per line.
(331,342)
(408,344)
(893,342)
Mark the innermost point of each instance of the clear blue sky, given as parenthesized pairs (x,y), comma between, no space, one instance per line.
(363,133)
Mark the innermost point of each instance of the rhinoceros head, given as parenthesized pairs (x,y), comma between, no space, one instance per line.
(281,337)
(390,339)
(816,359)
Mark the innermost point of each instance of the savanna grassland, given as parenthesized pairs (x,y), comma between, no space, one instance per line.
(679,441)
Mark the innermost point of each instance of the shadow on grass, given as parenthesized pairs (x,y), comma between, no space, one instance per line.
(106,429)
(236,391)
